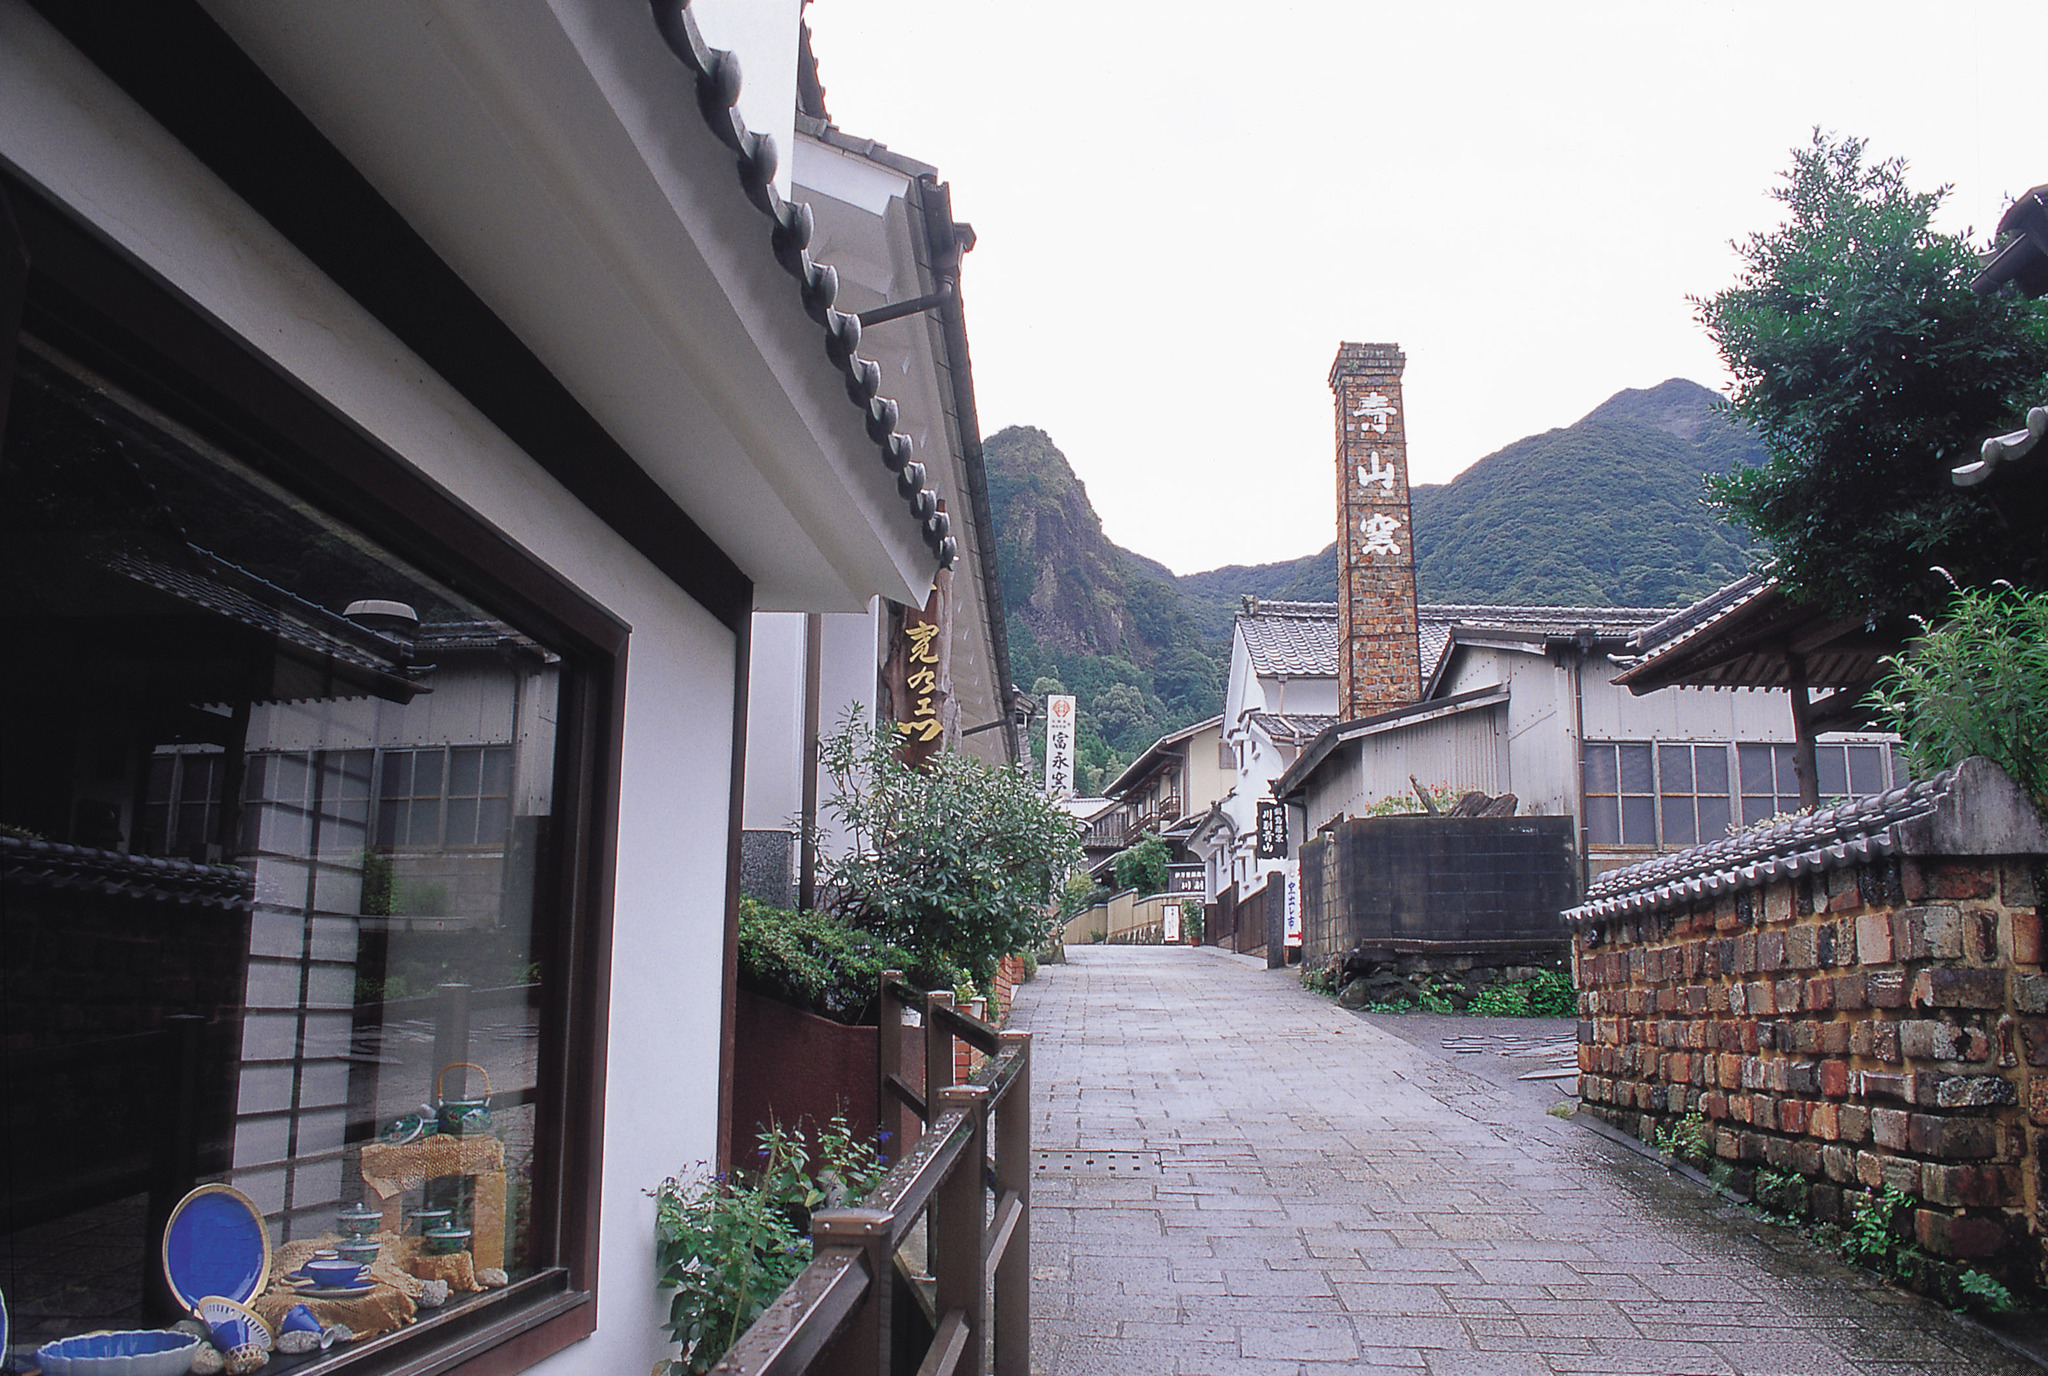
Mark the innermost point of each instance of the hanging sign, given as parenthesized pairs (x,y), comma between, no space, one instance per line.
(1172,917)
(918,690)
(1059,746)
(1293,919)
(1272,843)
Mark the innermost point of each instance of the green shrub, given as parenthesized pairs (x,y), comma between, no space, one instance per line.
(1977,684)
(729,1244)
(1688,1139)
(1500,1001)
(1142,866)
(821,963)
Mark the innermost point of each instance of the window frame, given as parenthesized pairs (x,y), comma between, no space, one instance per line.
(91,299)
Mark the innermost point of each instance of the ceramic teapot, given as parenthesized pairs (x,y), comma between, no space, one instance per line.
(458,1116)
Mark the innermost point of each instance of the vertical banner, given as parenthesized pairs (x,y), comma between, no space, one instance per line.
(1293,929)
(1172,914)
(1059,746)
(1272,842)
(916,689)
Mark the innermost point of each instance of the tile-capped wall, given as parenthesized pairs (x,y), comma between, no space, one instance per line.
(1848,1027)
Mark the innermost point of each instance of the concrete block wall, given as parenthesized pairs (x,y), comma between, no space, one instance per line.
(1852,1025)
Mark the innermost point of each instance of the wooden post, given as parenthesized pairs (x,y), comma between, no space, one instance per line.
(864,1347)
(938,1051)
(1803,763)
(956,1229)
(1013,1176)
(888,1062)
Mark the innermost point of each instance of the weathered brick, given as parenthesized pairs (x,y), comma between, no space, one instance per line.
(1891,1127)
(1834,1079)
(1834,1038)
(1823,1120)
(1980,935)
(1953,1139)
(2030,993)
(1785,994)
(1934,932)
(1959,1186)
(1965,1237)
(1849,992)
(1770,952)
(1885,988)
(1802,1077)
(1824,943)
(1819,994)
(1839,1163)
(1793,1115)
(1799,947)
(1884,1042)
(1874,939)
(1946,987)
(1939,879)
(1916,1037)
(1882,1084)
(2026,937)
(1854,1122)
(2019,884)
(1974,1091)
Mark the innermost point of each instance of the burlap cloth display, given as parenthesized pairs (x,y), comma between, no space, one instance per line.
(390,1169)
(399,1274)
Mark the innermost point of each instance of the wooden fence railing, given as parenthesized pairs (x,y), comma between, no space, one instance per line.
(839,1314)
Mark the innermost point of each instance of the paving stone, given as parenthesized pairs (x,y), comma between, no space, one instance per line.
(1370,1202)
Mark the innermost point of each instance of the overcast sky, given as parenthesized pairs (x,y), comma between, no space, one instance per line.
(1183,209)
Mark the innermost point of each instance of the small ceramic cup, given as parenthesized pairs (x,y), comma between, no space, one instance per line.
(361,1250)
(332,1272)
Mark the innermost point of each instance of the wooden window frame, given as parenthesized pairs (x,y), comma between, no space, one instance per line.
(95,302)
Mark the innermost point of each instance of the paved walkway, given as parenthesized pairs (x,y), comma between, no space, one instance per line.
(1328,1194)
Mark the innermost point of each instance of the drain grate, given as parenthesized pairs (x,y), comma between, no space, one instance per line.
(1118,1163)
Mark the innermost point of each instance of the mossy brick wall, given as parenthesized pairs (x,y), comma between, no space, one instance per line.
(1882,1024)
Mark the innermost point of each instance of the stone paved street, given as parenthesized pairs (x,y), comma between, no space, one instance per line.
(1328,1194)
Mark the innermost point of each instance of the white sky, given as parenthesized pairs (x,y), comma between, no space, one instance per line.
(1183,209)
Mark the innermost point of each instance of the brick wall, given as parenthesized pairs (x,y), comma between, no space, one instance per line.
(1379,664)
(1862,1006)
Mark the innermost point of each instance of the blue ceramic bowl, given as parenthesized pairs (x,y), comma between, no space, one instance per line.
(141,1352)
(334,1274)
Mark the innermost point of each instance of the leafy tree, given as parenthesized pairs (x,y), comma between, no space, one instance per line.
(1123,716)
(1142,866)
(1869,368)
(955,862)
(1046,686)
(1976,685)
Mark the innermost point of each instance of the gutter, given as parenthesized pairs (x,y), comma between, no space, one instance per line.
(946,241)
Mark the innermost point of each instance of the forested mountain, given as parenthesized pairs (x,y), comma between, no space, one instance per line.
(1603,512)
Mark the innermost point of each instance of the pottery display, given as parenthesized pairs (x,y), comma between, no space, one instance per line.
(428,1219)
(359,1220)
(331,1273)
(138,1352)
(445,1239)
(360,1250)
(465,1115)
(234,1326)
(216,1244)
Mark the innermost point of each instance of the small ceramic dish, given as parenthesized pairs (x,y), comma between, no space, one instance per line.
(331,1273)
(426,1220)
(134,1352)
(361,1251)
(446,1240)
(233,1325)
(359,1220)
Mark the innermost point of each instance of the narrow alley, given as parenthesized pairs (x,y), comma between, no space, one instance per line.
(1238,1176)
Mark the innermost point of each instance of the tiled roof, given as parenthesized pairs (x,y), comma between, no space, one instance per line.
(717,74)
(1300,638)
(1860,830)
(1293,725)
(117,874)
(1291,643)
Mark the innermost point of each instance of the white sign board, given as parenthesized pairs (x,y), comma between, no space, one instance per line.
(1293,873)
(1059,746)
(1173,924)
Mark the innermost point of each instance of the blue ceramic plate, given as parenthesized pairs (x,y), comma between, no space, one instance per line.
(216,1244)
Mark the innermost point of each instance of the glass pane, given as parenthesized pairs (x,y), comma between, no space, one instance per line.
(426,774)
(1678,822)
(1637,775)
(284,1011)
(1638,821)
(1603,821)
(1710,769)
(1756,769)
(1674,769)
(398,773)
(1833,770)
(1788,770)
(461,821)
(1713,818)
(493,821)
(497,771)
(1866,769)
(465,772)
(1600,775)
(1755,810)
(1902,769)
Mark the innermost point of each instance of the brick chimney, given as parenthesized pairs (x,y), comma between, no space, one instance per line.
(1379,665)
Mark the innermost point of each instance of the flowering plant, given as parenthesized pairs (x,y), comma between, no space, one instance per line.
(729,1243)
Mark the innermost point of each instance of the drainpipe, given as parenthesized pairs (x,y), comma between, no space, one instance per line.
(807,837)
(1803,762)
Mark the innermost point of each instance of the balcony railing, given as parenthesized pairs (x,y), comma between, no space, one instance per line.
(837,1316)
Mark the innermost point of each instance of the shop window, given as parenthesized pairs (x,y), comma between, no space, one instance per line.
(1655,793)
(297,889)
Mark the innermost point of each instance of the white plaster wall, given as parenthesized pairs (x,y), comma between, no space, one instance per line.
(852,642)
(70,130)
(775,722)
